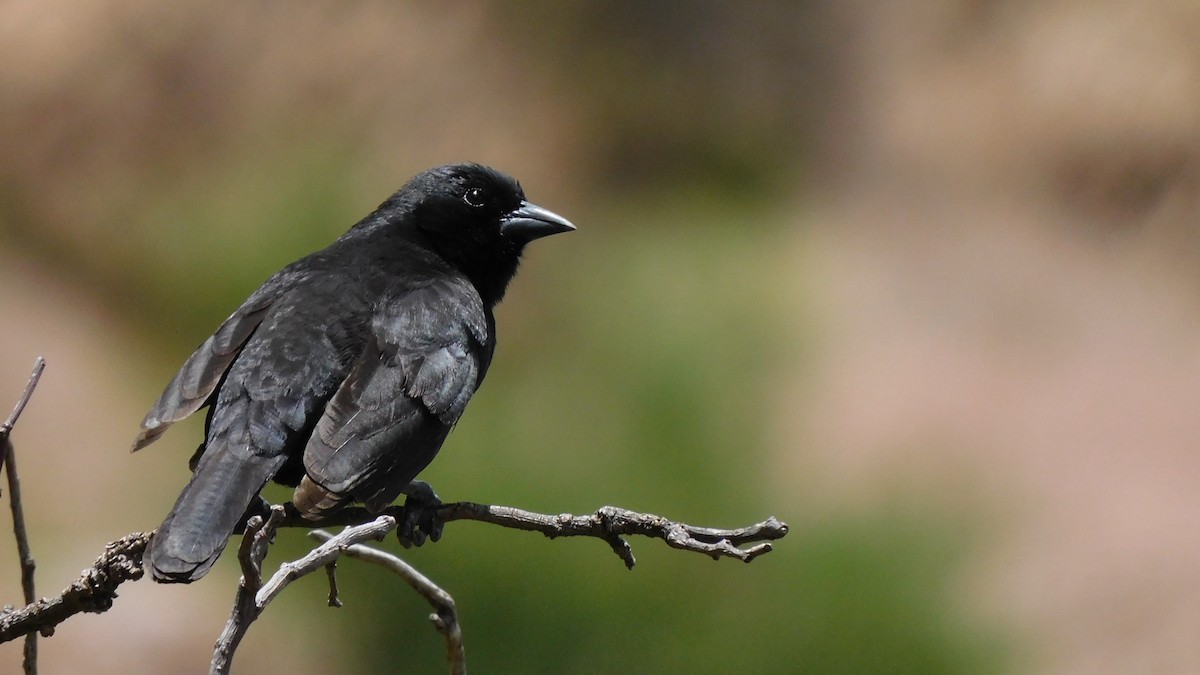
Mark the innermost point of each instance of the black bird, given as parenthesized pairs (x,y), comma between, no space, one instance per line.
(344,372)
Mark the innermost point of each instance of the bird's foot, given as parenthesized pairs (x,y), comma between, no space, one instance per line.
(420,520)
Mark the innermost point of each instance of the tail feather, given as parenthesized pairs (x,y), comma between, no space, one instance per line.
(208,510)
(314,501)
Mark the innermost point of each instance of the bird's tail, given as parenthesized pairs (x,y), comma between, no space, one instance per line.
(208,510)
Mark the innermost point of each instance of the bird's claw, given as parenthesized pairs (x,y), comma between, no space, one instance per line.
(420,521)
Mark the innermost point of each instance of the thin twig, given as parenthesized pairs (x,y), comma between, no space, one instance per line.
(7,425)
(335,599)
(609,523)
(38,366)
(9,461)
(251,553)
(18,515)
(321,556)
(253,595)
(445,616)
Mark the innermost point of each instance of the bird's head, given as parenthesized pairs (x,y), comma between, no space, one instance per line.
(477,219)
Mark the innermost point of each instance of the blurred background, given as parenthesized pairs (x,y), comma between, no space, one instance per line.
(918,278)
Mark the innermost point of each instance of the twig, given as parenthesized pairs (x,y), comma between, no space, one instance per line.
(253,595)
(38,366)
(9,461)
(445,616)
(251,554)
(609,523)
(322,555)
(7,425)
(93,591)
(331,572)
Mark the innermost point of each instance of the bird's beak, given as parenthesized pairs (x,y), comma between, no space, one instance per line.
(530,221)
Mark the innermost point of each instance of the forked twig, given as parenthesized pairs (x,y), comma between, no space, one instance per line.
(445,614)
(9,462)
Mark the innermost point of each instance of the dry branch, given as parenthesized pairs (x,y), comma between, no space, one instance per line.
(609,523)
(121,561)
(93,591)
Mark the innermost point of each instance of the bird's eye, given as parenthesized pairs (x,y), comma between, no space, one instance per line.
(475,197)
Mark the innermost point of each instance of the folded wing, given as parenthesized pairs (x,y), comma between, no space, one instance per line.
(430,349)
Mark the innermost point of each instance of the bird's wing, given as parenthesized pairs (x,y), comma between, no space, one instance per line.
(193,386)
(428,352)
